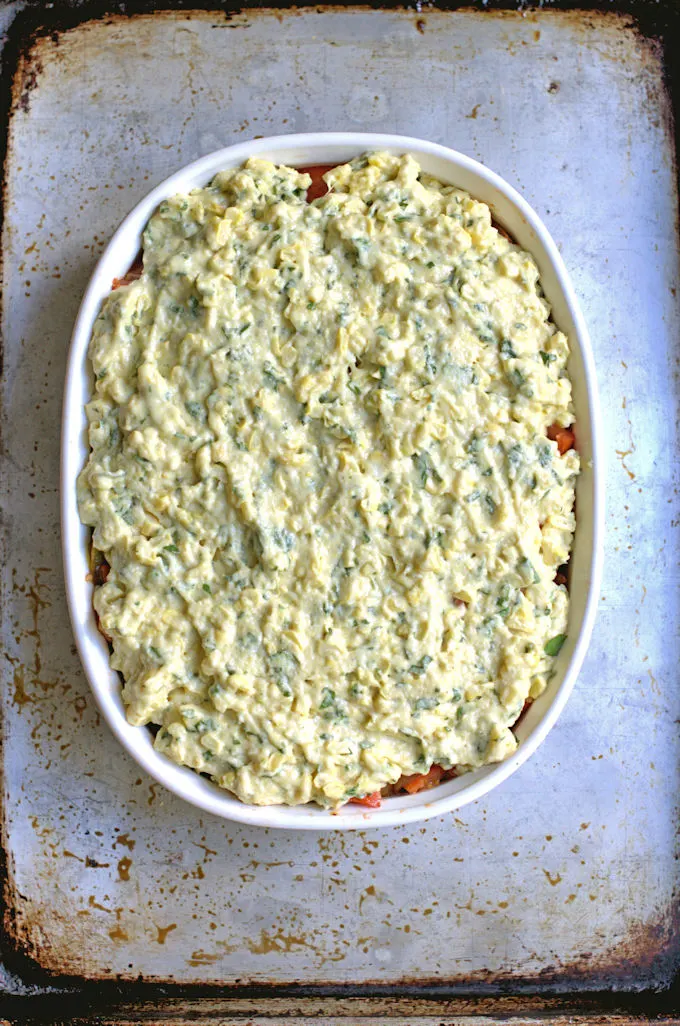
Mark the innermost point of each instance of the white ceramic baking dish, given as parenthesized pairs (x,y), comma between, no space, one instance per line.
(523,224)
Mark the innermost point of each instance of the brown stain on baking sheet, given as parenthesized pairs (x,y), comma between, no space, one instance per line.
(20,695)
(124,868)
(201,957)
(369,892)
(87,861)
(278,940)
(163,931)
(275,941)
(29,682)
(117,932)
(126,841)
(622,454)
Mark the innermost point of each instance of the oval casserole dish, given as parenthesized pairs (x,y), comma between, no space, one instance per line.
(517,218)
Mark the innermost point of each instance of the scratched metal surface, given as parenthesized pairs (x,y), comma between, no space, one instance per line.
(564,877)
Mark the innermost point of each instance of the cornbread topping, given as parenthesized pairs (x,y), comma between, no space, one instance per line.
(321,477)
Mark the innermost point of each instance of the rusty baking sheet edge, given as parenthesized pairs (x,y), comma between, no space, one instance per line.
(31,23)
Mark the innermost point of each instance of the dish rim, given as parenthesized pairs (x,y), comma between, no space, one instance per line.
(93,651)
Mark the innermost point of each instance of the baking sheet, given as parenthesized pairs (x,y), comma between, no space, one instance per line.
(563,878)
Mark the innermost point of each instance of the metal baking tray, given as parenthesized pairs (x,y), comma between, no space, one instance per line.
(556,895)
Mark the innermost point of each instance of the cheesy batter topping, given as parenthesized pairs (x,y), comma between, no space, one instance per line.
(321,477)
